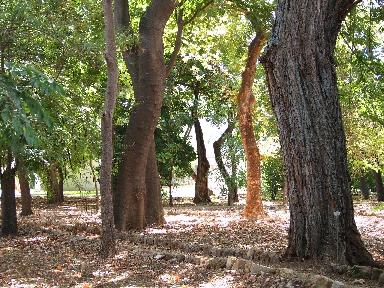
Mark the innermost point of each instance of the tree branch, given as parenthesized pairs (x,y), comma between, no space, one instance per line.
(176,49)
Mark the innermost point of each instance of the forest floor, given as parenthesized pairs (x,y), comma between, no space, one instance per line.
(57,247)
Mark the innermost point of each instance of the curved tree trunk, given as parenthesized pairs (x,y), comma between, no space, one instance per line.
(8,200)
(379,186)
(25,191)
(228,179)
(303,90)
(201,183)
(245,102)
(146,66)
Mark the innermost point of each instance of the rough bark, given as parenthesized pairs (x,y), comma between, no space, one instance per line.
(228,179)
(108,241)
(145,63)
(25,191)
(154,214)
(55,193)
(364,187)
(8,200)
(379,186)
(201,182)
(245,102)
(303,90)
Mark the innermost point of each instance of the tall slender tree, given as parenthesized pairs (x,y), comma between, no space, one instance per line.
(303,91)
(107,231)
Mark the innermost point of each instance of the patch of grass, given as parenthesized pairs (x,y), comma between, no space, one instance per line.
(91,193)
(378,207)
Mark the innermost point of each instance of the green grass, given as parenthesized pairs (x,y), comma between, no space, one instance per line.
(378,207)
(91,193)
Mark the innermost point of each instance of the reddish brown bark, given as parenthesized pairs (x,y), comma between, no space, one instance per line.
(245,102)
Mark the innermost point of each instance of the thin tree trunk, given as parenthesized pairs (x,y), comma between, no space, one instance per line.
(379,186)
(245,102)
(303,90)
(228,179)
(364,187)
(25,191)
(145,63)
(94,178)
(108,242)
(201,183)
(8,200)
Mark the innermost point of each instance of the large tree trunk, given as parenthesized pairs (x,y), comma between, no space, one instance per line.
(108,242)
(8,200)
(303,90)
(154,214)
(25,191)
(379,186)
(55,193)
(364,187)
(201,183)
(245,102)
(146,66)
(228,179)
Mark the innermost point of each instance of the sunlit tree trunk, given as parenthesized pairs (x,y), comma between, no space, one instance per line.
(303,90)
(108,241)
(245,102)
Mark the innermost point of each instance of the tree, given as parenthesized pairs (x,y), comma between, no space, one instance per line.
(303,91)
(25,191)
(107,231)
(145,62)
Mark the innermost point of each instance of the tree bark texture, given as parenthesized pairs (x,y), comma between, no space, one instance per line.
(201,182)
(108,241)
(25,191)
(245,102)
(145,63)
(303,91)
(56,184)
(154,213)
(364,187)
(229,181)
(8,200)
(379,186)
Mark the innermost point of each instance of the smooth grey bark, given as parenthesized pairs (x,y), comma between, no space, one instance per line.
(303,90)
(108,242)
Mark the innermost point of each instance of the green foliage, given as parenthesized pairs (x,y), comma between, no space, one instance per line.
(272,170)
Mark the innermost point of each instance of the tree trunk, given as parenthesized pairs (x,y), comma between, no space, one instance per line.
(379,186)
(228,179)
(201,183)
(145,63)
(25,191)
(94,179)
(245,102)
(55,193)
(8,200)
(303,90)
(364,187)
(108,242)
(154,214)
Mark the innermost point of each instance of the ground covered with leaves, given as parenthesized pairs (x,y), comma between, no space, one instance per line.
(58,247)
